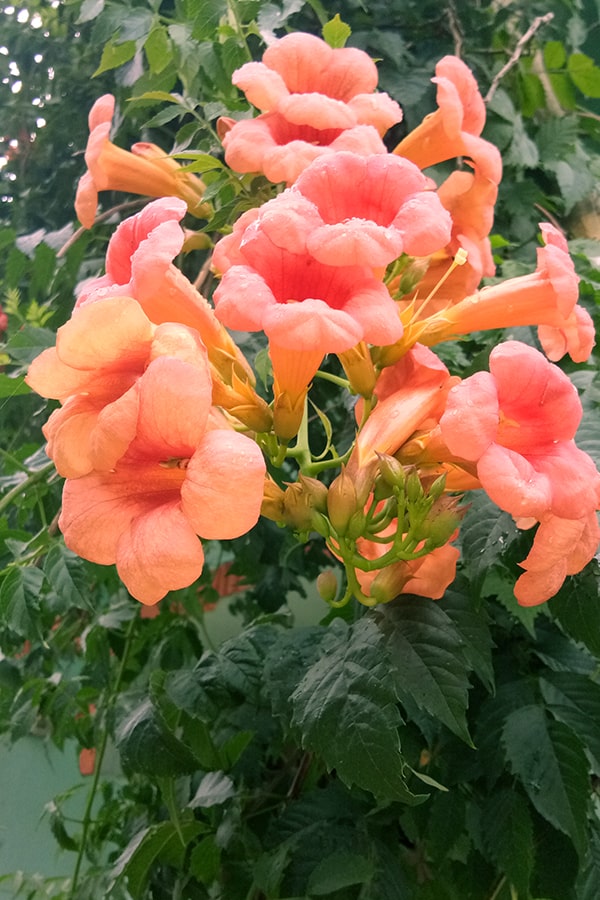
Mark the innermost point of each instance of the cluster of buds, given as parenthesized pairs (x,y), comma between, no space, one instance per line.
(162,435)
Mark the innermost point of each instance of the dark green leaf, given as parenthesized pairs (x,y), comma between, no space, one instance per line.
(428,668)
(509,838)
(484,530)
(345,710)
(549,760)
(146,745)
(68,577)
(12,387)
(136,862)
(338,871)
(19,600)
(577,609)
(472,623)
(205,860)
(574,700)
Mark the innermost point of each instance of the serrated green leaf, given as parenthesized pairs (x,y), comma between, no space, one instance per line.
(574,700)
(549,760)
(157,48)
(577,608)
(136,861)
(345,710)
(588,882)
(428,668)
(339,870)
(556,138)
(115,55)
(205,860)
(484,530)
(472,623)
(509,838)
(585,74)
(242,660)
(67,576)
(146,745)
(336,32)
(290,658)
(19,600)
(28,342)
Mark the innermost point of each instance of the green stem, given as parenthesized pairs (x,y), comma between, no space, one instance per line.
(232,7)
(19,488)
(335,379)
(319,10)
(101,751)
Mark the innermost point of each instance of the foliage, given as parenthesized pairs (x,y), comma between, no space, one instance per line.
(423,749)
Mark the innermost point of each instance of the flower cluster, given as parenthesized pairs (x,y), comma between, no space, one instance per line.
(359,255)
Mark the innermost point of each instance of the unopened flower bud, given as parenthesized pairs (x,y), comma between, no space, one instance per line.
(391,470)
(359,368)
(327,585)
(316,490)
(443,520)
(388,582)
(356,525)
(341,502)
(382,490)
(272,505)
(414,488)
(303,502)
(413,275)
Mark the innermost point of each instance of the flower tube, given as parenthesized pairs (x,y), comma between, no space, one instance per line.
(147,170)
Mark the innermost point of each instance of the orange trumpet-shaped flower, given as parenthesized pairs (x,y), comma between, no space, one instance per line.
(547,297)
(561,547)
(100,354)
(147,170)
(517,423)
(139,264)
(452,131)
(180,478)
(315,100)
(411,394)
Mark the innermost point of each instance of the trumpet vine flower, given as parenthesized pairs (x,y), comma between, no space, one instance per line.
(100,355)
(146,170)
(314,100)
(454,131)
(517,424)
(139,264)
(546,298)
(182,476)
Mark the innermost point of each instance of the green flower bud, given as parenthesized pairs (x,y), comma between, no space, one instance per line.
(327,585)
(391,470)
(341,502)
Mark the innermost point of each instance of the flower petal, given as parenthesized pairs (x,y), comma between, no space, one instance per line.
(223,489)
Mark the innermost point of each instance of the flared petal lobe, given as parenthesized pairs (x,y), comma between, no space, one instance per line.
(311,97)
